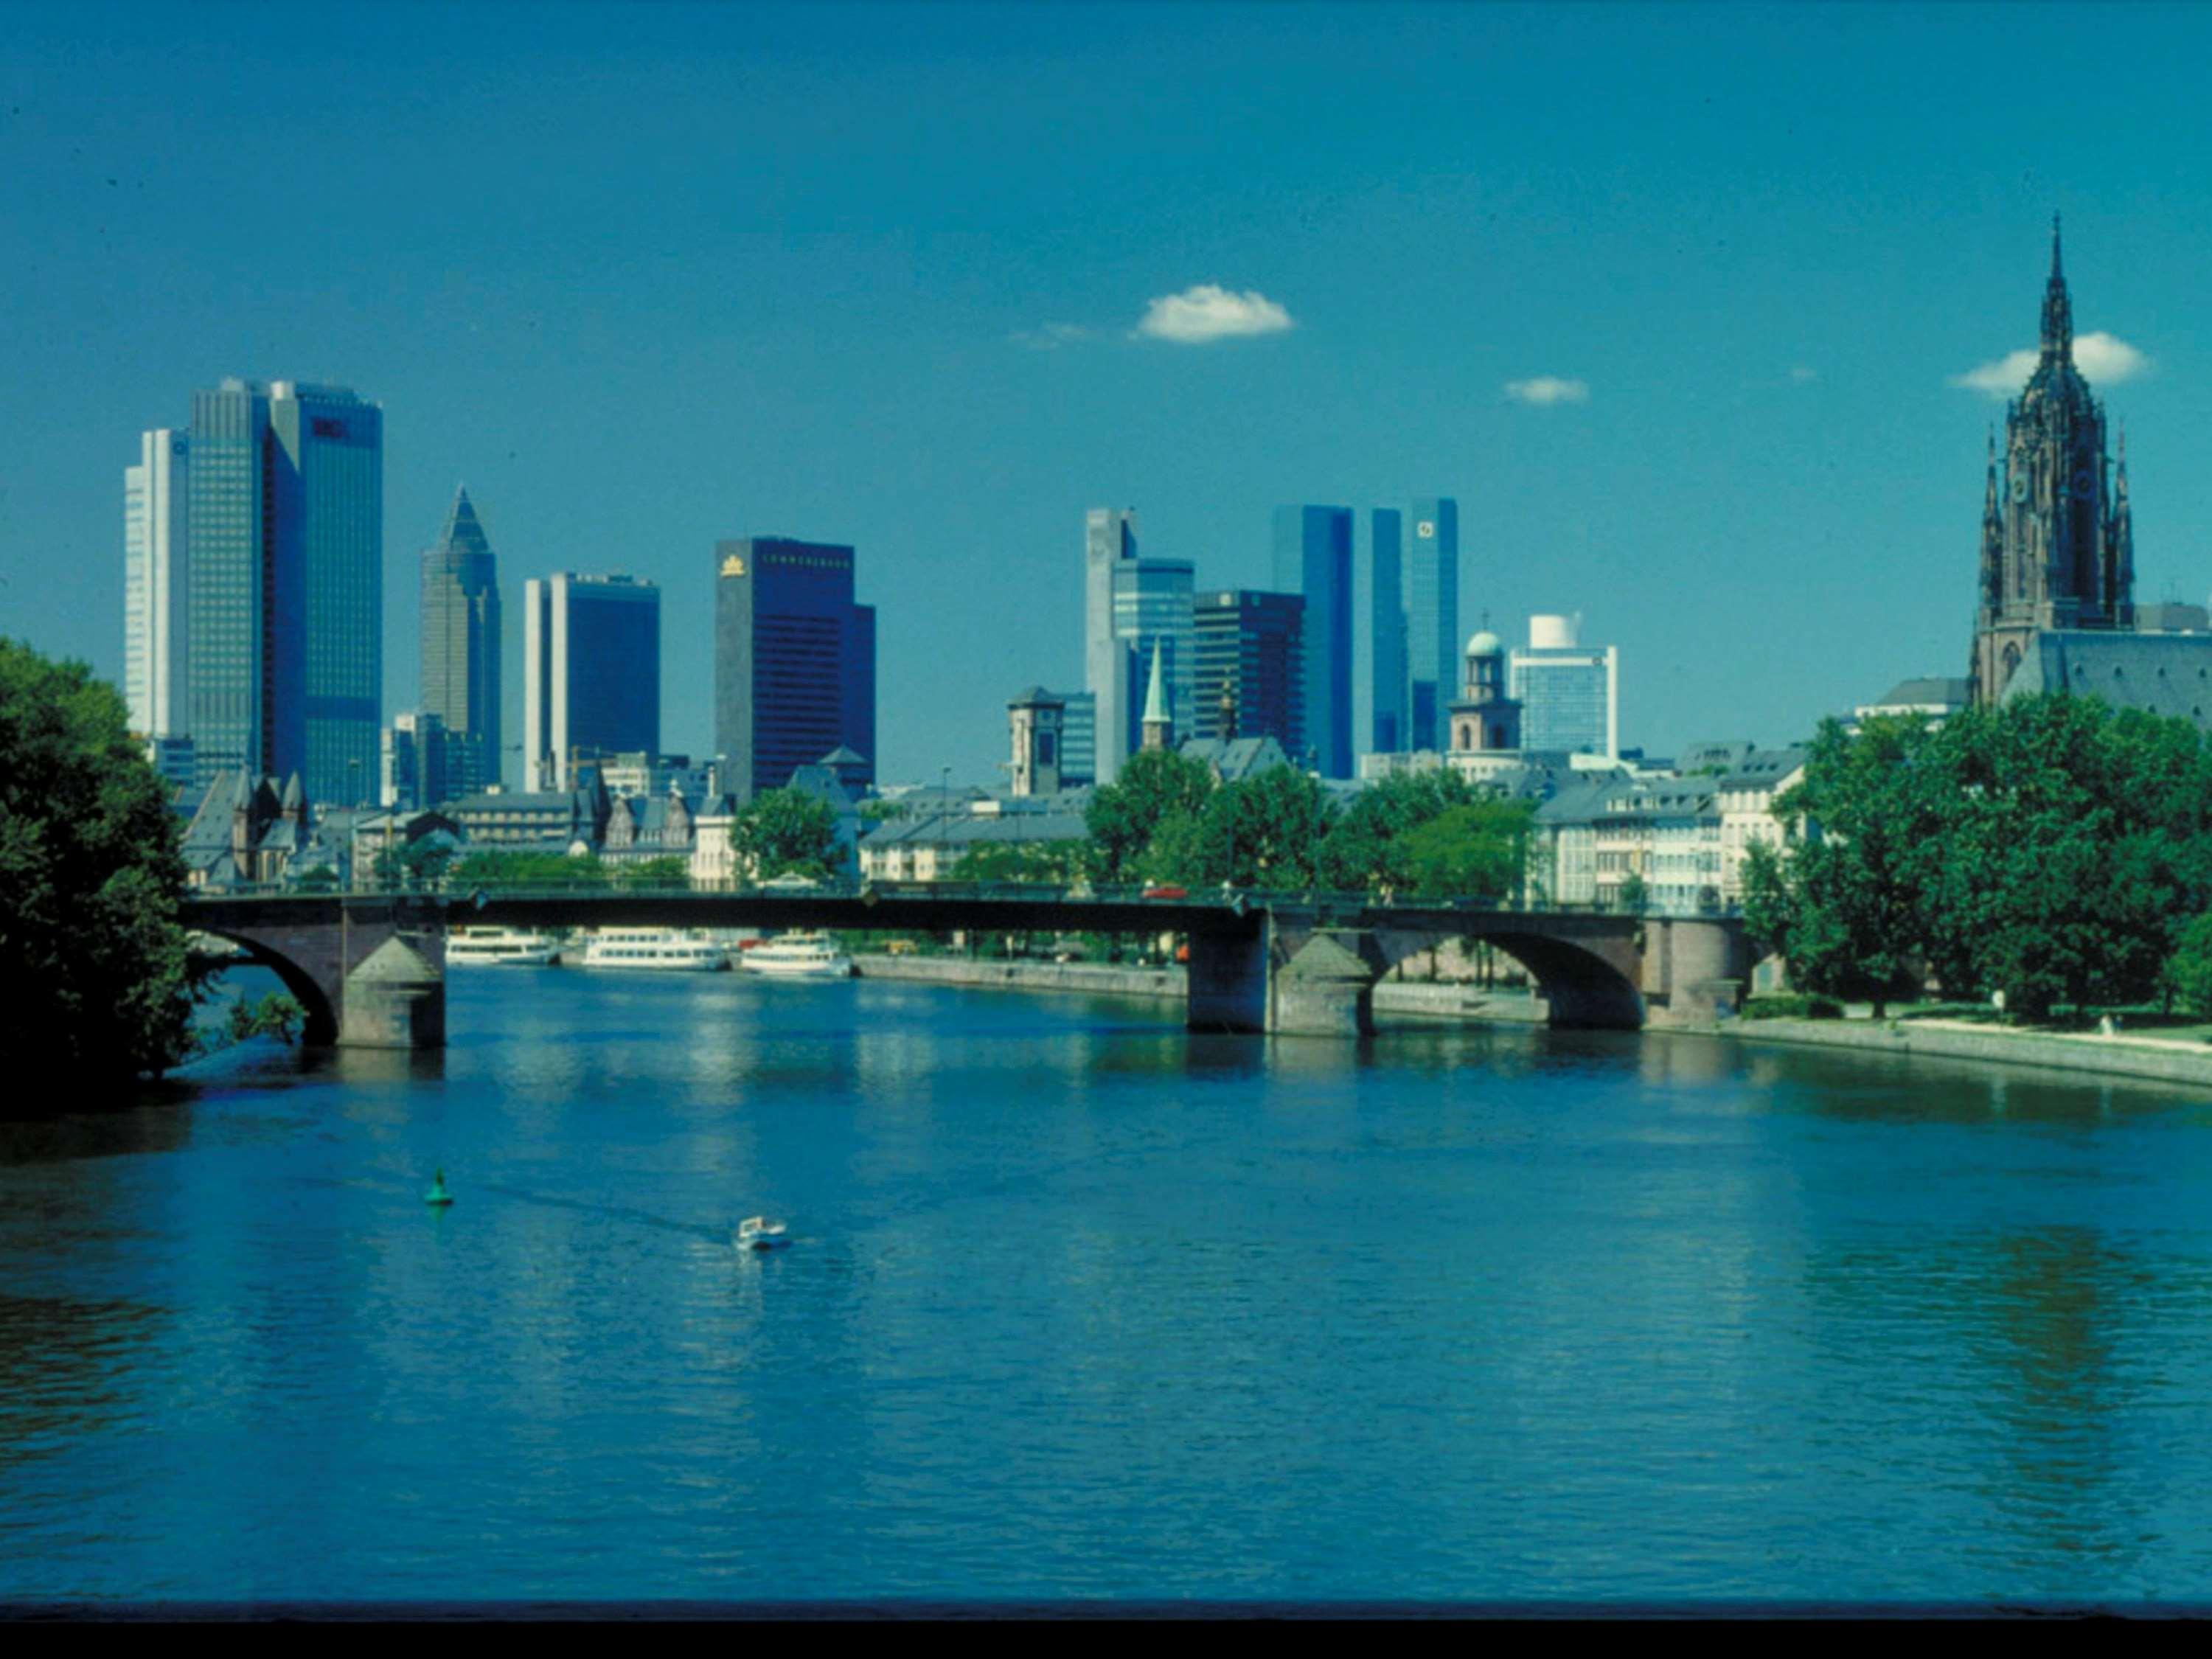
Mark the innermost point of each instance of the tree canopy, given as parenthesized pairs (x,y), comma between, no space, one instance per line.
(92,956)
(1155,785)
(2047,847)
(784,832)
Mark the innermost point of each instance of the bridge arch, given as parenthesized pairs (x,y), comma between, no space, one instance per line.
(319,1009)
(1583,985)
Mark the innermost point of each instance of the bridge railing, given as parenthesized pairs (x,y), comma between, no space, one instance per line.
(1328,905)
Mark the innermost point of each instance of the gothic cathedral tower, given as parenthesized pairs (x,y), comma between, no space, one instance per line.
(2057,540)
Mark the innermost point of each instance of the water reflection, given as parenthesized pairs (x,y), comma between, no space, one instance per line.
(1086,1303)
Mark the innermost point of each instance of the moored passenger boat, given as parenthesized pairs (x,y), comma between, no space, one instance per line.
(478,947)
(667,950)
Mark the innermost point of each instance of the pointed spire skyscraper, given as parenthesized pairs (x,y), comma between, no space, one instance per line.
(460,647)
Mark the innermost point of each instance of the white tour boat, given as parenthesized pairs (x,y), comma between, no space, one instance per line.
(674,950)
(478,947)
(798,955)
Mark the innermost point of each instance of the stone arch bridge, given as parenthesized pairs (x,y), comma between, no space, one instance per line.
(368,969)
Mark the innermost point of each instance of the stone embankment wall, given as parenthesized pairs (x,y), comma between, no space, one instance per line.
(1444,1001)
(2114,1057)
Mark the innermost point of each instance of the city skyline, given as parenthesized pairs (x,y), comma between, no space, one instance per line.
(1716,394)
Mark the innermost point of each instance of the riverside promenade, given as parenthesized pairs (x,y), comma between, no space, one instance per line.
(1395,998)
(2165,1059)
(2168,1059)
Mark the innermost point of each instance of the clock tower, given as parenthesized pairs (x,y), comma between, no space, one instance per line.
(2057,538)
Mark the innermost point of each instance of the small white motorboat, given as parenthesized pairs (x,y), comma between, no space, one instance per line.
(758,1233)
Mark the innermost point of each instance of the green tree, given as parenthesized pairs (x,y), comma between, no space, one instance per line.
(2072,845)
(493,867)
(418,865)
(275,1015)
(786,832)
(666,870)
(1123,816)
(1364,852)
(1632,895)
(2189,969)
(1476,852)
(1053,863)
(92,957)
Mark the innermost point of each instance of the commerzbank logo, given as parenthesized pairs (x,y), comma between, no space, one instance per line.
(1425,530)
(735,565)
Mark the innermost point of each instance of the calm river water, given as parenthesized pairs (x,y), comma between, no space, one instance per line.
(1083,1306)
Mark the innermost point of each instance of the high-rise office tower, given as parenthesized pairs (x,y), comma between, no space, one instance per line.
(1079,738)
(1389,727)
(419,764)
(1110,544)
(794,662)
(1570,693)
(1432,635)
(1313,558)
(285,526)
(460,647)
(156,643)
(591,673)
(1251,666)
(1153,620)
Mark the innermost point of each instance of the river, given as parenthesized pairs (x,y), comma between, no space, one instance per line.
(1083,1306)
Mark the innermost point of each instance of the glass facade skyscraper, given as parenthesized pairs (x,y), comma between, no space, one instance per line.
(285,528)
(794,662)
(1570,693)
(156,639)
(1152,612)
(1433,634)
(1313,558)
(591,656)
(1251,646)
(461,647)
(1079,738)
(1388,724)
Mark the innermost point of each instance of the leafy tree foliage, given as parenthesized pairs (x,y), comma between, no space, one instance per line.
(666,870)
(1476,851)
(2047,847)
(492,867)
(1123,817)
(2189,970)
(1364,853)
(275,1015)
(92,957)
(417,866)
(1055,863)
(786,832)
(1632,895)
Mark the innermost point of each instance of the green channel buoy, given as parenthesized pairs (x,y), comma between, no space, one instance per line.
(438,1195)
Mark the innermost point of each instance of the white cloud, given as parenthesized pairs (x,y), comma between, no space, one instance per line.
(1051,337)
(1209,311)
(2100,357)
(1548,389)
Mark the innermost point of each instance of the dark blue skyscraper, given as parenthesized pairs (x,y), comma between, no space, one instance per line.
(590,674)
(1386,635)
(286,623)
(794,663)
(1313,558)
(1432,635)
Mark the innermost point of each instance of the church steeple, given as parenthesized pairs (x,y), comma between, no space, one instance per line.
(2057,309)
(1158,727)
(2058,547)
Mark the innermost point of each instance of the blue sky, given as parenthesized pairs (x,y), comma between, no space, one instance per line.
(649,275)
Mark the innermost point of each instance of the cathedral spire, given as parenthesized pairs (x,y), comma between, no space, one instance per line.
(2057,309)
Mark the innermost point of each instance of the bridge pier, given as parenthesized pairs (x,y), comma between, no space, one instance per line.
(1694,970)
(366,972)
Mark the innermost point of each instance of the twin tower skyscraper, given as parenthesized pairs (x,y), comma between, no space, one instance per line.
(1401,636)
